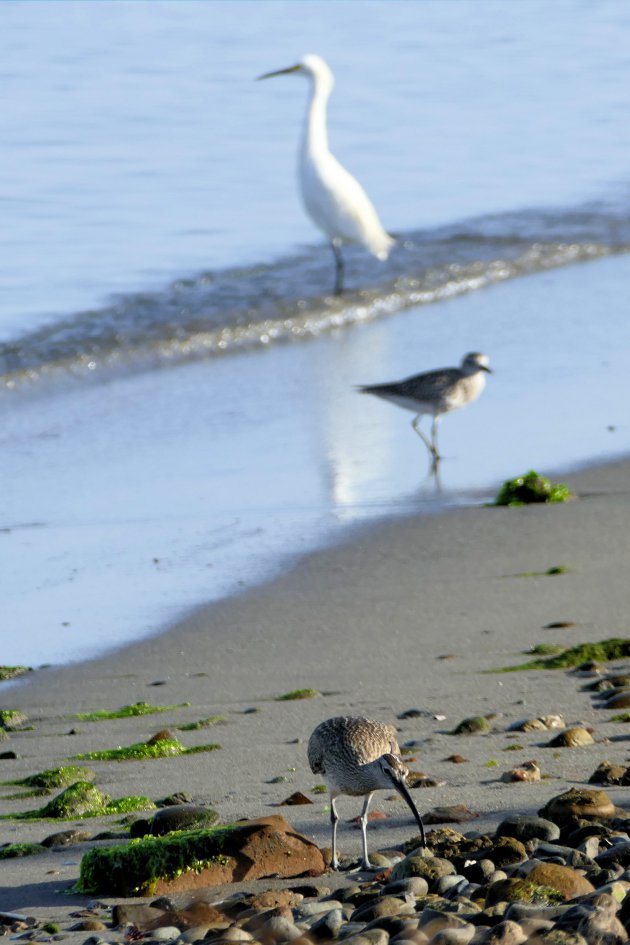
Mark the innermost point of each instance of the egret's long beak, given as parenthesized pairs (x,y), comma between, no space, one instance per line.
(403,790)
(270,75)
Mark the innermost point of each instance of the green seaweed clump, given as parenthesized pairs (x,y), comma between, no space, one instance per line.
(134,869)
(202,723)
(616,648)
(547,649)
(531,488)
(130,804)
(11,850)
(80,800)
(622,717)
(127,711)
(12,719)
(10,672)
(144,751)
(550,572)
(44,782)
(299,694)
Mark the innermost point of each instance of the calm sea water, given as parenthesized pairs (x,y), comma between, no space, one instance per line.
(151,219)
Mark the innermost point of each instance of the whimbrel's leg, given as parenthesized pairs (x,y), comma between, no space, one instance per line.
(415,423)
(366,865)
(334,817)
(338,268)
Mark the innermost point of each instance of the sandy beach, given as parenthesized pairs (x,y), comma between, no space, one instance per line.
(407,615)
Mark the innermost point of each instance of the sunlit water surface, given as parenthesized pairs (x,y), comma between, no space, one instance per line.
(162,441)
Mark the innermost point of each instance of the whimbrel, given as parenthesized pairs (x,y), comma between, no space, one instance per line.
(436,393)
(358,756)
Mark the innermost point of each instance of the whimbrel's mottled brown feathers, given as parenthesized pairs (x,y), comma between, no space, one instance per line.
(350,741)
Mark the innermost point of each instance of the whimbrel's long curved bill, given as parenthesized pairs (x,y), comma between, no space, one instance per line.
(403,790)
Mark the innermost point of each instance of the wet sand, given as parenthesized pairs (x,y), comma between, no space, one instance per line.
(404,616)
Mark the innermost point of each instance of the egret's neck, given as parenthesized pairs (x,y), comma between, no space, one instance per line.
(315,140)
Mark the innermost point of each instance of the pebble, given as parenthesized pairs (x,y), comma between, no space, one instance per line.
(168,933)
(574,737)
(308,909)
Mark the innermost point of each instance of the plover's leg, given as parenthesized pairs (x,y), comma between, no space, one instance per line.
(415,423)
(434,429)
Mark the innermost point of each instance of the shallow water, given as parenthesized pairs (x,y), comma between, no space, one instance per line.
(162,442)
(133,500)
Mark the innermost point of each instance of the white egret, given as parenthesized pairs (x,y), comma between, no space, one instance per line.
(436,393)
(334,199)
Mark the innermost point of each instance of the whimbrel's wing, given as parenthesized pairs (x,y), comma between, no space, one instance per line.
(350,741)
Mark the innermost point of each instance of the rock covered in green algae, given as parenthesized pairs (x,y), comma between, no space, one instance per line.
(12,719)
(474,725)
(531,488)
(247,850)
(83,799)
(80,799)
(44,782)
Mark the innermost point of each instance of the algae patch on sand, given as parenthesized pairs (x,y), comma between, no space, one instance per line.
(531,488)
(45,782)
(144,751)
(616,648)
(12,850)
(126,711)
(10,672)
(299,694)
(201,723)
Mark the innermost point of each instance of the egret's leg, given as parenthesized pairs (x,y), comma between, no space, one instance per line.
(415,423)
(338,268)
(334,817)
(366,865)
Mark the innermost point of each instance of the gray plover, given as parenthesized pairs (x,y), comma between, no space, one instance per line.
(358,756)
(436,393)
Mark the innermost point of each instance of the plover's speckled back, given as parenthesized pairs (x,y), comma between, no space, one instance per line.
(436,393)
(358,756)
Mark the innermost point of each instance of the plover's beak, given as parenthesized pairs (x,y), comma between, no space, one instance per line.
(486,369)
(270,75)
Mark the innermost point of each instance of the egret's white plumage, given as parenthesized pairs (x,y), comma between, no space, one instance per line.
(334,199)
(436,392)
